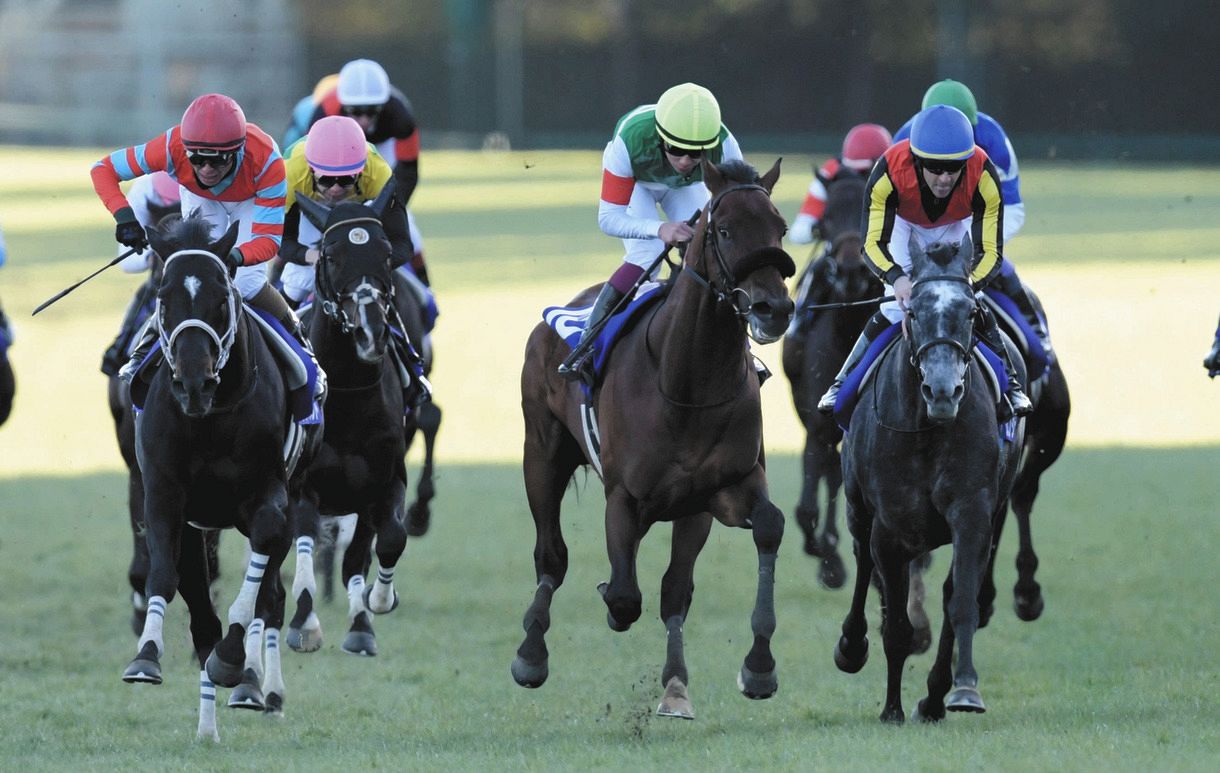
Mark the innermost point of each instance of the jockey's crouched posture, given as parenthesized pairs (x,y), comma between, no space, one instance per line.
(935,187)
(229,171)
(334,164)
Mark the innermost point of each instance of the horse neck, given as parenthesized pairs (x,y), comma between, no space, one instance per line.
(700,343)
(238,372)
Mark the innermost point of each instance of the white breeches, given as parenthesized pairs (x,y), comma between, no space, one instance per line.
(678,204)
(221,214)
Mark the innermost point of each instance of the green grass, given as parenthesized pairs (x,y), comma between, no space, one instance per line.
(1120,673)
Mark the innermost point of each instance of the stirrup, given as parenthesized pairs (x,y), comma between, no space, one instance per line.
(1019,402)
(574,364)
(827,404)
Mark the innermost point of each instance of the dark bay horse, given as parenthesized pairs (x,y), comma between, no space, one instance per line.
(924,465)
(815,346)
(680,426)
(360,467)
(211,443)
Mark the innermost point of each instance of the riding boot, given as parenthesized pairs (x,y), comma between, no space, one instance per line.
(112,358)
(145,338)
(989,332)
(271,301)
(572,367)
(1012,286)
(876,324)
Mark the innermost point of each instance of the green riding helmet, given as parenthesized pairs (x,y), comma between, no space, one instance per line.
(955,94)
(688,116)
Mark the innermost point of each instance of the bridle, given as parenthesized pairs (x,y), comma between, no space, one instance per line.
(961,348)
(363,295)
(224,341)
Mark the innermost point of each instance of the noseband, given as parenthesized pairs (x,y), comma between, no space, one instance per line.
(364,294)
(224,341)
(953,342)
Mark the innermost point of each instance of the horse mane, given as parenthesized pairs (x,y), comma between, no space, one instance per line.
(191,232)
(944,254)
(738,171)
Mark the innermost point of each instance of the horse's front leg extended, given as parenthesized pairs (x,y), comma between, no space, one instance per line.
(677,590)
(387,516)
(971,525)
(896,629)
(757,678)
(305,628)
(163,534)
(622,593)
(851,651)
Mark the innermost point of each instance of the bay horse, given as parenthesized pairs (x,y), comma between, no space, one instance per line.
(211,442)
(680,426)
(924,465)
(360,467)
(815,346)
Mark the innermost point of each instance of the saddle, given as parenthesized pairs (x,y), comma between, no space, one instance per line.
(991,365)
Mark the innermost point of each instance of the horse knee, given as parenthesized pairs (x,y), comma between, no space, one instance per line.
(767,521)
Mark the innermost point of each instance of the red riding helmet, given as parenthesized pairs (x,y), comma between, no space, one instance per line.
(864,144)
(213,122)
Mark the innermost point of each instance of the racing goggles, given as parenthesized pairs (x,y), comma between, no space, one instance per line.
(365,111)
(673,150)
(344,181)
(217,159)
(941,166)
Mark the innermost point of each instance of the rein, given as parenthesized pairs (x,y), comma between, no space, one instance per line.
(728,291)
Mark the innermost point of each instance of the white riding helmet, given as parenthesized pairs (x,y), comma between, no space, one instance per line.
(363,82)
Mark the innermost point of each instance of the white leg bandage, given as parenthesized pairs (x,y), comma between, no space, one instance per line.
(153,622)
(242,610)
(207,709)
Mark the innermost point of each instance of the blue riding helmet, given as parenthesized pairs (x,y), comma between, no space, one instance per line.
(942,132)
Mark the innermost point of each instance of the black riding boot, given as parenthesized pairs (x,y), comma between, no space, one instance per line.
(145,338)
(1012,286)
(607,299)
(873,328)
(989,332)
(112,358)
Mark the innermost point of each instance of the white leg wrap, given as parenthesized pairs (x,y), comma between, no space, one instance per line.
(273,682)
(254,647)
(355,596)
(381,599)
(153,622)
(304,579)
(242,610)
(343,537)
(207,709)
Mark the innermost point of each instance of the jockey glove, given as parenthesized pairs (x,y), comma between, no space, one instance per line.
(128,230)
(234,260)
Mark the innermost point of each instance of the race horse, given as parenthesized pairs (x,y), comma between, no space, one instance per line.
(211,442)
(680,427)
(925,464)
(8,384)
(815,346)
(360,467)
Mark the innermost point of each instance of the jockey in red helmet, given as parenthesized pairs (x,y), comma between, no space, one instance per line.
(862,146)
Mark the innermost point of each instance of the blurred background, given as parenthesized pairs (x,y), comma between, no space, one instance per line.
(1077,79)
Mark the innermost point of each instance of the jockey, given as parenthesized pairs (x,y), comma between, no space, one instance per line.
(152,197)
(363,92)
(935,187)
(303,110)
(653,159)
(990,136)
(332,165)
(229,171)
(862,146)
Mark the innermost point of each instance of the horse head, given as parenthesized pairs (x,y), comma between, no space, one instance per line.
(354,276)
(940,321)
(197,308)
(742,235)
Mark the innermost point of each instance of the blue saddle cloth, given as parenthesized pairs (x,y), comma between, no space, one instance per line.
(569,322)
(849,395)
(1025,338)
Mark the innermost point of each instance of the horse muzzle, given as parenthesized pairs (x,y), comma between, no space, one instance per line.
(769,320)
(194,395)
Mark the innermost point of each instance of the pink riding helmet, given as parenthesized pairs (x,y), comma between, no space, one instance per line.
(336,146)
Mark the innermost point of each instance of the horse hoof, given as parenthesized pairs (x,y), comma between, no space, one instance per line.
(274,704)
(832,574)
(754,686)
(221,673)
(368,592)
(850,664)
(418,520)
(247,695)
(142,671)
(1028,608)
(965,699)
(360,643)
(893,717)
(676,701)
(924,714)
(529,675)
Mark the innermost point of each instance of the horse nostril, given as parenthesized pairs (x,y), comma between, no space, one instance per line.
(927,391)
(958,391)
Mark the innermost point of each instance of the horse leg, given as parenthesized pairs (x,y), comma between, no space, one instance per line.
(550,458)
(360,638)
(249,693)
(896,629)
(971,543)
(305,628)
(624,601)
(419,514)
(677,589)
(832,573)
(807,506)
(757,679)
(194,582)
(851,651)
(932,707)
(921,639)
(380,598)
(163,537)
(271,608)
(137,570)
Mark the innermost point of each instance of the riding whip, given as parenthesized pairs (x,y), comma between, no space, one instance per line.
(67,290)
(846,304)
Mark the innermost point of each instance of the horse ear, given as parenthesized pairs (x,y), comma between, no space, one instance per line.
(314,212)
(225,245)
(711,176)
(965,249)
(382,202)
(157,241)
(918,255)
(769,179)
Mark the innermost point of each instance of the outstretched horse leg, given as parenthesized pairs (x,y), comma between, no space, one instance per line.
(831,573)
(271,600)
(163,537)
(137,570)
(550,458)
(624,601)
(360,638)
(971,543)
(305,628)
(1045,434)
(757,679)
(194,571)
(940,677)
(851,651)
(249,693)
(419,514)
(896,629)
(677,590)
(380,598)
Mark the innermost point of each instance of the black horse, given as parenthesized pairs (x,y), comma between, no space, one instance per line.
(360,467)
(815,346)
(211,442)
(8,384)
(925,465)
(1212,360)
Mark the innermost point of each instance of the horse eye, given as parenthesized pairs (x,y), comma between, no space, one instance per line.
(724,232)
